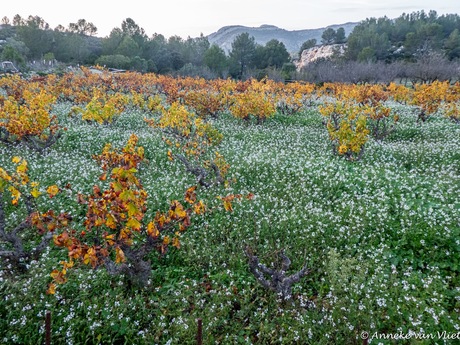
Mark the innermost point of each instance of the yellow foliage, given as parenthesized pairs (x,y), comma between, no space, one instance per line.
(29,116)
(120,255)
(103,108)
(152,230)
(347,128)
(52,190)
(253,102)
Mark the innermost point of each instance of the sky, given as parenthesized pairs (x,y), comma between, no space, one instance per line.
(194,17)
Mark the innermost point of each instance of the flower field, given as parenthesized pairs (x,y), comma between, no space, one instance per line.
(359,183)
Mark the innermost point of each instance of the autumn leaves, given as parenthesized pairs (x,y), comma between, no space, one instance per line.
(116,230)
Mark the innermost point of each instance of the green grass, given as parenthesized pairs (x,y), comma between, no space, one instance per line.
(381,235)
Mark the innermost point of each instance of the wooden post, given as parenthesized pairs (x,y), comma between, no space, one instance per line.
(199,332)
(48,328)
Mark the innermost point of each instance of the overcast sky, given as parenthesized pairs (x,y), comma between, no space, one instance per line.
(192,17)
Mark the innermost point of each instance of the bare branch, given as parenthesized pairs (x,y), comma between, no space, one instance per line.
(277,281)
(286,262)
(202,175)
(18,255)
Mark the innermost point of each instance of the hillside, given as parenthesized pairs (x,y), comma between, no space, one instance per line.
(291,39)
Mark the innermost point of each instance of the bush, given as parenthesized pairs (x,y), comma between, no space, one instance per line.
(114,61)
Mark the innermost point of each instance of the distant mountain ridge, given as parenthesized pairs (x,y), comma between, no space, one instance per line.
(292,39)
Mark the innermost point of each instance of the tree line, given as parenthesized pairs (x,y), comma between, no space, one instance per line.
(408,38)
(128,47)
(419,48)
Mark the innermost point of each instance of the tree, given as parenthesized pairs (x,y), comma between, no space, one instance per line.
(276,53)
(307,45)
(431,36)
(15,51)
(412,43)
(131,29)
(177,62)
(340,36)
(139,64)
(49,57)
(111,43)
(128,47)
(171,54)
(216,59)
(5,21)
(452,45)
(36,35)
(407,37)
(367,55)
(11,54)
(114,61)
(288,70)
(59,28)
(129,40)
(260,58)
(18,21)
(71,47)
(155,51)
(328,36)
(242,54)
(94,49)
(195,49)
(37,22)
(368,38)
(83,27)
(6,31)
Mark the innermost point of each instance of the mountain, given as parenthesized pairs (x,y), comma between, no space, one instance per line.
(291,39)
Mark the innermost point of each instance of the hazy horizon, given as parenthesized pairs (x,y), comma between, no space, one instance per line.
(186,18)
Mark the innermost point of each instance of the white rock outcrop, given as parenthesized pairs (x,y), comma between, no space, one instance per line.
(318,52)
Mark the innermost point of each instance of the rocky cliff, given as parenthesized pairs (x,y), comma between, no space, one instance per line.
(318,52)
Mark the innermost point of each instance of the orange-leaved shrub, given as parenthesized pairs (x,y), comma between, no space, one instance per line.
(192,141)
(116,234)
(20,240)
(25,116)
